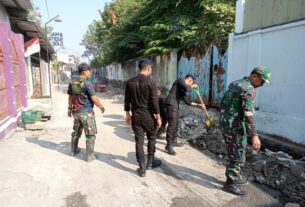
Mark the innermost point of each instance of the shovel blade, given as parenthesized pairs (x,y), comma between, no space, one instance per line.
(209,125)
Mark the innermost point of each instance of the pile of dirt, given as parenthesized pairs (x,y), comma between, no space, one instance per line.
(277,170)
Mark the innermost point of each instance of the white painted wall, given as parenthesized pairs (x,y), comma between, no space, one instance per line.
(115,72)
(282,49)
(45,78)
(30,76)
(239,16)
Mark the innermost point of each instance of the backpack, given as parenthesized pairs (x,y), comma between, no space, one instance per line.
(76,87)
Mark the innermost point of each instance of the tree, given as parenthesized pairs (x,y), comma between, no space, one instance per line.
(133,28)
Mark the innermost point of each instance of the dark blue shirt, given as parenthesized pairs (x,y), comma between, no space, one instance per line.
(82,102)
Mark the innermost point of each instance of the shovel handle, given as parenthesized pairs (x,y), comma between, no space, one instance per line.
(201,101)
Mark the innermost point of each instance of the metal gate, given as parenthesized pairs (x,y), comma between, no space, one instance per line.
(210,71)
(219,76)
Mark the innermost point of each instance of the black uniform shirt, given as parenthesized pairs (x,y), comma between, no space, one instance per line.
(141,98)
(178,92)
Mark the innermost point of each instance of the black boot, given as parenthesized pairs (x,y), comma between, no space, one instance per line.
(234,189)
(241,181)
(142,169)
(169,148)
(176,143)
(74,147)
(152,162)
(90,150)
(160,132)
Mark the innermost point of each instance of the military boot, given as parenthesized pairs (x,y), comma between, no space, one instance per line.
(169,148)
(241,181)
(74,147)
(152,162)
(90,150)
(234,189)
(176,143)
(142,169)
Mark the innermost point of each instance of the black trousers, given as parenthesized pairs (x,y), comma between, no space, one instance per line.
(140,127)
(173,123)
(163,115)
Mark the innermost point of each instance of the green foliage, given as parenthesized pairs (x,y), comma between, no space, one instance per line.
(146,27)
(34,15)
(55,63)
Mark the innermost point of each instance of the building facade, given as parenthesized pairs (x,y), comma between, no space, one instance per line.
(272,33)
(13,92)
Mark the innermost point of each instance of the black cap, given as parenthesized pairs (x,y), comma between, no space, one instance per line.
(144,62)
(190,76)
(83,67)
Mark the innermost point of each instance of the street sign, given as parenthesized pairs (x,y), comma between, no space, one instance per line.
(56,39)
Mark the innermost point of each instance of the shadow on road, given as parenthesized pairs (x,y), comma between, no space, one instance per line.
(176,171)
(122,130)
(190,175)
(65,148)
(114,116)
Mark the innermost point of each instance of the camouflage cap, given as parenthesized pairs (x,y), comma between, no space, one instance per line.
(263,72)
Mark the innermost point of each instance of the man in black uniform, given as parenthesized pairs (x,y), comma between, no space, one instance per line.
(141,98)
(177,92)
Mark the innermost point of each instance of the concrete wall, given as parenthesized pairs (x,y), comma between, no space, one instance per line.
(44,78)
(281,48)
(164,71)
(29,77)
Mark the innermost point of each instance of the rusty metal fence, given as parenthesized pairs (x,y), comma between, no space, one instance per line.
(210,70)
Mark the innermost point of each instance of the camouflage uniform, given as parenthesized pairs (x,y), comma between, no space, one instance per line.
(82,111)
(86,121)
(237,122)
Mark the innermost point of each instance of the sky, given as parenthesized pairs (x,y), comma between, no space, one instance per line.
(76,15)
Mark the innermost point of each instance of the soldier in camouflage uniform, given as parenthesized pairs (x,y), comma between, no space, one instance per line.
(237,122)
(82,98)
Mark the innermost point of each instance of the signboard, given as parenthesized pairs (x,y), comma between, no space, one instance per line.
(56,39)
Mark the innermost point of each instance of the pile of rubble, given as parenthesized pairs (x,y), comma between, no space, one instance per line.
(278,170)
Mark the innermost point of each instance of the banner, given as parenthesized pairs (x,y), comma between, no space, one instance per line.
(32,46)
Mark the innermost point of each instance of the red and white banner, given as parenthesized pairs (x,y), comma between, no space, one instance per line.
(32,46)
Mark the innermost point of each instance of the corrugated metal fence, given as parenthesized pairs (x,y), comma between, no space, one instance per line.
(210,70)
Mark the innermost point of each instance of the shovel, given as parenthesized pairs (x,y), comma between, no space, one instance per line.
(209,123)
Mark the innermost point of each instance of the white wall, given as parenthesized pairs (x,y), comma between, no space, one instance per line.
(239,16)
(30,76)
(45,78)
(115,72)
(282,49)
